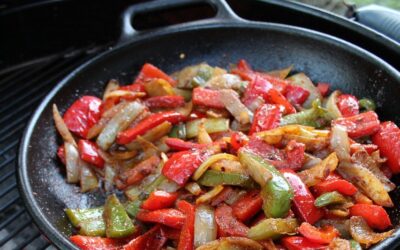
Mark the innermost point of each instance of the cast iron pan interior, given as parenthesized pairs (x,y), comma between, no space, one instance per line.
(265,46)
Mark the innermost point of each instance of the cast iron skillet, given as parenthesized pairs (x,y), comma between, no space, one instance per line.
(218,41)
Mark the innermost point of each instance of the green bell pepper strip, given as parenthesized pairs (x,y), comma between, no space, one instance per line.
(89,221)
(133,207)
(178,131)
(273,228)
(307,117)
(354,245)
(367,104)
(329,198)
(276,193)
(212,125)
(213,178)
(118,223)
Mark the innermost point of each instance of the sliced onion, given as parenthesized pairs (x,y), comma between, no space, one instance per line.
(303,81)
(118,123)
(362,233)
(281,73)
(211,160)
(310,161)
(339,244)
(72,163)
(88,178)
(364,159)
(123,155)
(366,181)
(149,149)
(205,227)
(340,143)
(232,103)
(225,81)
(229,166)
(152,135)
(343,226)
(168,186)
(62,127)
(207,197)
(203,137)
(111,86)
(109,177)
(126,94)
(331,105)
(105,117)
(193,188)
(319,172)
(232,243)
(236,195)
(185,110)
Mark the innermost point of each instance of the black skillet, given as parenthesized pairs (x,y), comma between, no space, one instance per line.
(219,41)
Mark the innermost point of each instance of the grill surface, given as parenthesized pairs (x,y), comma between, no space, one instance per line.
(21,90)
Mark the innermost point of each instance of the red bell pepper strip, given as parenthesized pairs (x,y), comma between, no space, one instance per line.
(348,105)
(227,224)
(340,185)
(303,201)
(149,72)
(258,87)
(359,125)
(148,123)
(167,216)
(167,101)
(182,165)
(238,140)
(95,243)
(179,144)
(294,154)
(296,95)
(318,235)
(159,199)
(290,157)
(278,84)
(376,216)
(388,141)
(136,87)
(187,234)
(207,98)
(301,243)
(139,172)
(171,233)
(225,194)
(247,206)
(154,239)
(259,217)
(323,88)
(244,70)
(89,152)
(267,117)
(61,153)
(274,96)
(194,115)
(82,115)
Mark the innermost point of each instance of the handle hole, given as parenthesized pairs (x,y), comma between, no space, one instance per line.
(175,15)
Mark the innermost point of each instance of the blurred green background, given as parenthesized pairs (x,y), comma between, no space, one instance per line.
(395,4)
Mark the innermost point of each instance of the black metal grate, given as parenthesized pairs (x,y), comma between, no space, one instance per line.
(21,90)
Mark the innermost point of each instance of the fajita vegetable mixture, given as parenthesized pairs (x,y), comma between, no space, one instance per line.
(208,158)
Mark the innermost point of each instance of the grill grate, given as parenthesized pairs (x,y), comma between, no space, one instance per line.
(21,90)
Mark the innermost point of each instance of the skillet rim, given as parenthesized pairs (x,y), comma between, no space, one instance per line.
(23,178)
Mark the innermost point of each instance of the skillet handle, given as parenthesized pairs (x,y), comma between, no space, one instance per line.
(381,19)
(223,14)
